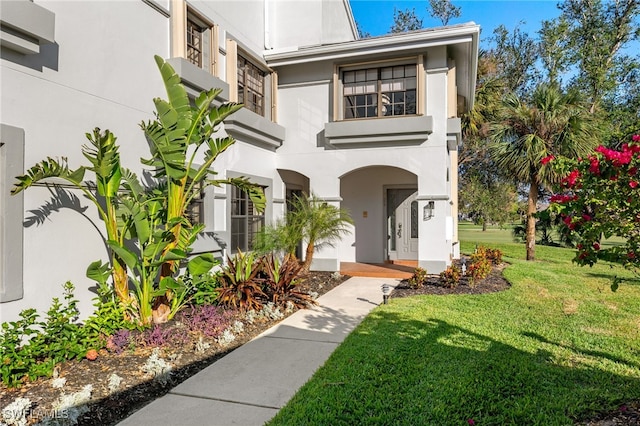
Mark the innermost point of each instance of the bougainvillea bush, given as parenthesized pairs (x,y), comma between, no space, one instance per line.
(599,198)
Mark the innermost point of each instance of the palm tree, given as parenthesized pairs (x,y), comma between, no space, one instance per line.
(552,123)
(309,219)
(320,224)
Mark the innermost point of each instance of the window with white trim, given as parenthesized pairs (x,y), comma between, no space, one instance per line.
(379,91)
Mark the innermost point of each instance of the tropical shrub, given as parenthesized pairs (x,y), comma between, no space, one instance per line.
(241,286)
(598,198)
(493,255)
(418,279)
(30,348)
(478,270)
(280,281)
(148,233)
(309,219)
(451,276)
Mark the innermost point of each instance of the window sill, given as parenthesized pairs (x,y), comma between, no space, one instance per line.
(196,79)
(247,126)
(392,131)
(26,26)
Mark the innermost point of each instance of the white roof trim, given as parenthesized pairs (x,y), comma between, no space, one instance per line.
(463,33)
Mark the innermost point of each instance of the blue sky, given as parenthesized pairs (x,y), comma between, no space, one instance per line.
(376,16)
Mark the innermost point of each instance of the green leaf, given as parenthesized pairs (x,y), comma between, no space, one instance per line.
(201,264)
(128,257)
(169,283)
(99,272)
(175,254)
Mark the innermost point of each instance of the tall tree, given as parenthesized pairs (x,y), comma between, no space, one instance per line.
(485,202)
(405,20)
(444,10)
(554,45)
(598,31)
(516,54)
(551,123)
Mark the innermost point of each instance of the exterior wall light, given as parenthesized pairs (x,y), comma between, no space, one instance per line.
(385,293)
(428,210)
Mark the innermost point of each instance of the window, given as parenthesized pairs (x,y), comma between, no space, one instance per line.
(195,209)
(199,42)
(251,83)
(195,34)
(246,221)
(379,92)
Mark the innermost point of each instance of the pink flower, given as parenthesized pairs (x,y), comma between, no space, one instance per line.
(633,183)
(596,246)
(595,166)
(633,171)
(471,422)
(636,138)
(586,217)
(571,179)
(547,159)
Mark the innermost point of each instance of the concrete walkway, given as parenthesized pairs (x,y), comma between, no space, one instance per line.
(249,385)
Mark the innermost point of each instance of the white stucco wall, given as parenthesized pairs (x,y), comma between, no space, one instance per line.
(100,72)
(308,23)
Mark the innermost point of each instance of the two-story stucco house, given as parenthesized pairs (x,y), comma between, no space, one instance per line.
(369,125)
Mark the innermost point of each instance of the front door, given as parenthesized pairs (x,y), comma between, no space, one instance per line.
(402,224)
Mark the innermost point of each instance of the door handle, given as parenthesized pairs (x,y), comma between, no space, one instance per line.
(399,230)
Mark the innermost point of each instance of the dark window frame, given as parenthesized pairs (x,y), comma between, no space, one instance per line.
(251,85)
(195,210)
(195,40)
(379,92)
(246,221)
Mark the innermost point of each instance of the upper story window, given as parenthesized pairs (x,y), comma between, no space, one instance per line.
(199,42)
(379,92)
(251,86)
(195,36)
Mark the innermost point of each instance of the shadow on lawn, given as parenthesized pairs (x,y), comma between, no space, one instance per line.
(398,371)
(577,350)
(609,277)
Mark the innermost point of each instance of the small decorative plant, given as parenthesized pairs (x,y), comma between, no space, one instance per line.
(419,278)
(450,277)
(241,287)
(478,270)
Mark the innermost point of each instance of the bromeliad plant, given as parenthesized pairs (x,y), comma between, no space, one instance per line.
(147,231)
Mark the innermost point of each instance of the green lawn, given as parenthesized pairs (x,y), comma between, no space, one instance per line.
(557,347)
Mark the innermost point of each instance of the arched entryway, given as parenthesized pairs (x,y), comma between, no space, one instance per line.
(381,200)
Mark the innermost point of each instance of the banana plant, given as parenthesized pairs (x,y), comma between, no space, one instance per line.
(104,157)
(147,231)
(176,136)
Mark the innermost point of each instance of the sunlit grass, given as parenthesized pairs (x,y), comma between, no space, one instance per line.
(557,347)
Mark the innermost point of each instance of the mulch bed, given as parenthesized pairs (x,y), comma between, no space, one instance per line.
(493,283)
(137,388)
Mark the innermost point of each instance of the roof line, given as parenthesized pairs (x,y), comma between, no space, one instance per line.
(462,33)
